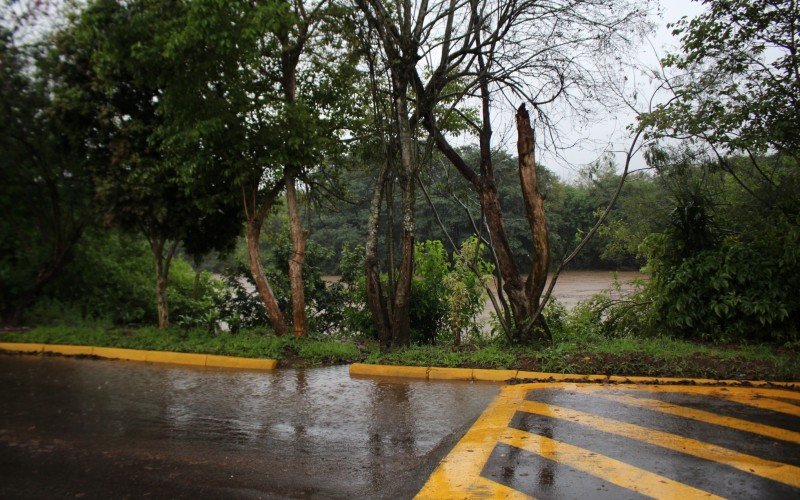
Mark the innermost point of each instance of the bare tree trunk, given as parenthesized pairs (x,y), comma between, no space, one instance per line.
(401,321)
(376,301)
(162,263)
(299,236)
(262,285)
(537,222)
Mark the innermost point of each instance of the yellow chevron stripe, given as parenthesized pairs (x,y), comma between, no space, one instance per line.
(704,416)
(609,469)
(776,471)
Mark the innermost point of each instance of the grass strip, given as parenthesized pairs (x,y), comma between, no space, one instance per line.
(654,357)
(247,344)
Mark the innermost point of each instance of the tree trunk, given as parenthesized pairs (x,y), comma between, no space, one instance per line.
(196,287)
(299,236)
(257,271)
(162,263)
(401,322)
(376,301)
(537,222)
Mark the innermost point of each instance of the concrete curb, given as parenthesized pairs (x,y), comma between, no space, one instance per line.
(177,358)
(485,375)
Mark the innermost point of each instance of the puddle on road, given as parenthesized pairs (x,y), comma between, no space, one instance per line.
(364,433)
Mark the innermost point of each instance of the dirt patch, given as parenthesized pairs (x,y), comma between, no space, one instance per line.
(696,365)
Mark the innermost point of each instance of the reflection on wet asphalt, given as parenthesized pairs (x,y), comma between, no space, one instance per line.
(70,427)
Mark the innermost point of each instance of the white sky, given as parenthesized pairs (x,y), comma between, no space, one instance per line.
(607,132)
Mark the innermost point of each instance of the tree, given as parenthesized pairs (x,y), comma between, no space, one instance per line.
(537,52)
(734,89)
(45,189)
(259,101)
(725,266)
(738,80)
(110,73)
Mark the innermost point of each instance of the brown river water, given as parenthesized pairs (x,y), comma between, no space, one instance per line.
(575,286)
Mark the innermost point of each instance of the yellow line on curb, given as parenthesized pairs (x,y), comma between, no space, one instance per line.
(776,471)
(436,373)
(609,469)
(489,375)
(179,358)
(705,416)
(21,347)
(389,370)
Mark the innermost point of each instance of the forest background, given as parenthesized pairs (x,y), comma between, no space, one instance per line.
(201,166)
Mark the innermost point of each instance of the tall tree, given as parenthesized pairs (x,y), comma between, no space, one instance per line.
(734,90)
(45,189)
(111,72)
(542,53)
(262,98)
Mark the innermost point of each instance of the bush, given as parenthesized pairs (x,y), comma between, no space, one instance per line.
(740,290)
(445,298)
(112,279)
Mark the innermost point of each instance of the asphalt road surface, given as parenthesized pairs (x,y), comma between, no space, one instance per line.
(80,428)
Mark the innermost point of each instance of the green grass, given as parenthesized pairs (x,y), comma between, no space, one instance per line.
(249,344)
(662,357)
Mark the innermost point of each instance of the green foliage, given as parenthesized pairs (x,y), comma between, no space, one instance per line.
(110,280)
(356,317)
(428,355)
(741,289)
(739,77)
(317,352)
(465,289)
(45,189)
(428,300)
(446,298)
(327,303)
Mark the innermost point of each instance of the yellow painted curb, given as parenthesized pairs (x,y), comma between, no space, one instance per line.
(21,347)
(389,370)
(439,373)
(234,362)
(119,353)
(179,358)
(561,377)
(69,350)
(436,373)
(493,375)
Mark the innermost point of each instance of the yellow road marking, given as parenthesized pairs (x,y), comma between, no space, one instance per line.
(705,416)
(459,474)
(759,398)
(609,469)
(767,404)
(776,471)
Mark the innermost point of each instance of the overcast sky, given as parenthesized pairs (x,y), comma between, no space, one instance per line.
(608,132)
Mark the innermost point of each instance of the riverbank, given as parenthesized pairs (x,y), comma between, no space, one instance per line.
(660,357)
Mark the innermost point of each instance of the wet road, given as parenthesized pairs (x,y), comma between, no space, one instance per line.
(87,429)
(625,441)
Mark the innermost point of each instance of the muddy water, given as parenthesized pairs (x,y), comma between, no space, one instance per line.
(575,286)
(110,428)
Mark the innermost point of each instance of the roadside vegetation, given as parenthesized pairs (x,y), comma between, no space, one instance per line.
(182,175)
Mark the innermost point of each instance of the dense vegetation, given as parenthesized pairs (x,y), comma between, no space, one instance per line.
(204,165)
